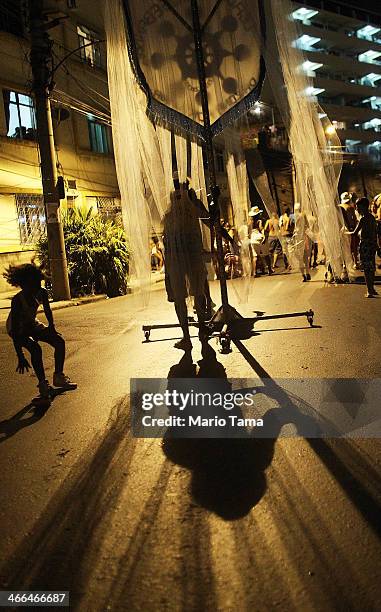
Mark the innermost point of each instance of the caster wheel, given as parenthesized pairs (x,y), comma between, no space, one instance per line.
(147,335)
(310,317)
(225,345)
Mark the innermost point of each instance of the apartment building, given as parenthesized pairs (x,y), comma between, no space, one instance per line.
(342,45)
(342,48)
(81,121)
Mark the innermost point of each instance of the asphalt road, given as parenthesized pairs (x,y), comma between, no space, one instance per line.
(142,524)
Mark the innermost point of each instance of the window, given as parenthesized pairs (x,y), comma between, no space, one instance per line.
(369,57)
(109,209)
(19,114)
(70,201)
(10,17)
(31,217)
(90,54)
(98,137)
(367,32)
(303,14)
(305,42)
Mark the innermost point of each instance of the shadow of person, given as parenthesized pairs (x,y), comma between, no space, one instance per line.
(10,427)
(228,474)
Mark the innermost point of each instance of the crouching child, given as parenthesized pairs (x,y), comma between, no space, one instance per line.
(27,331)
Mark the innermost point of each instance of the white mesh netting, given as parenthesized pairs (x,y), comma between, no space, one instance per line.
(143,151)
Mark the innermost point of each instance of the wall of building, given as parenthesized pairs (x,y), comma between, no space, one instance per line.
(80,91)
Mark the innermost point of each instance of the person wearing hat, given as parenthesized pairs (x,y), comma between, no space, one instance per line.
(255,211)
(350,221)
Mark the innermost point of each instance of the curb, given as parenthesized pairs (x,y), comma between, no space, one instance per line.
(78,301)
(67,304)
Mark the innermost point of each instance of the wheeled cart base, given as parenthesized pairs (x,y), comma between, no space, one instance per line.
(228,324)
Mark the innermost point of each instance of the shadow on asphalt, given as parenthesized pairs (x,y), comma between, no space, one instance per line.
(62,549)
(228,474)
(10,427)
(339,456)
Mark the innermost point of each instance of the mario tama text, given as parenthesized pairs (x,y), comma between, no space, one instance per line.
(231,420)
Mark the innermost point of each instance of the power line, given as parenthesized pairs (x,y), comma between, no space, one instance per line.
(72,102)
(82,85)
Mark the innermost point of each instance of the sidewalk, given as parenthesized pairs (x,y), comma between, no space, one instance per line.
(6,297)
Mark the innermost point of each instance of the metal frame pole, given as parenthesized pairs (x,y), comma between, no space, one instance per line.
(214,210)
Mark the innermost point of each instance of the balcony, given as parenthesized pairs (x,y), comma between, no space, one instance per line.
(368,33)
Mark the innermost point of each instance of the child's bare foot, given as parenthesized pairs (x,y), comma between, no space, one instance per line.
(184,344)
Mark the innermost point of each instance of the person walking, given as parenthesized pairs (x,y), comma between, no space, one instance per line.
(286,229)
(367,230)
(272,230)
(348,212)
(185,269)
(301,243)
(260,248)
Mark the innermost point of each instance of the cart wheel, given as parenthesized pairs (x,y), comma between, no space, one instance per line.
(147,335)
(225,345)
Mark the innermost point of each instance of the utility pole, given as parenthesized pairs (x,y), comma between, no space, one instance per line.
(41,64)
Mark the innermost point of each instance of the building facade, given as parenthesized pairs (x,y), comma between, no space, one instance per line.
(342,46)
(81,122)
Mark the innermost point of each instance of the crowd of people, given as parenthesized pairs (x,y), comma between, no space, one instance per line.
(286,242)
(291,242)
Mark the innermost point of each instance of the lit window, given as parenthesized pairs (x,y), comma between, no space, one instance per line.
(109,209)
(375,102)
(369,56)
(310,67)
(70,201)
(31,217)
(98,136)
(370,79)
(303,13)
(314,91)
(373,124)
(20,117)
(367,32)
(306,41)
(90,53)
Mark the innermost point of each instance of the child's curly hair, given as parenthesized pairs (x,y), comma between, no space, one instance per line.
(19,276)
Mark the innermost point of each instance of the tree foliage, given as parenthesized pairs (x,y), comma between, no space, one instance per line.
(97,254)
